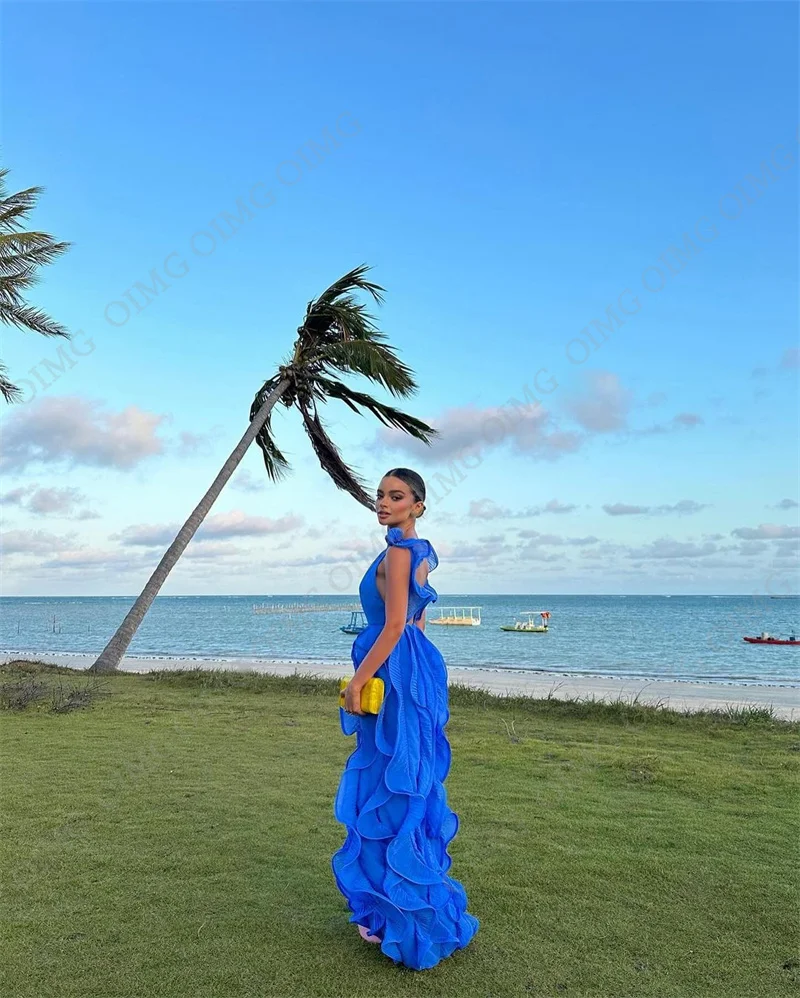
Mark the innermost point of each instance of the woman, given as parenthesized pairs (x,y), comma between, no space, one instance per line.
(392,867)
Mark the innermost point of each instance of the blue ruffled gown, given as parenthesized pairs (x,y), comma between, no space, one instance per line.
(392,867)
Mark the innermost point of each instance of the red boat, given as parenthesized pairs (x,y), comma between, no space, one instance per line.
(767,639)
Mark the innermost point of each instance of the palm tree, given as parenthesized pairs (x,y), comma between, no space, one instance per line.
(337,335)
(21,254)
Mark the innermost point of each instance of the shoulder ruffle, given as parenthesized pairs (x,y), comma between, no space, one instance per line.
(394,537)
(420,549)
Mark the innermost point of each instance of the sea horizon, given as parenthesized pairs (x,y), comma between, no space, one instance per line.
(261,595)
(692,638)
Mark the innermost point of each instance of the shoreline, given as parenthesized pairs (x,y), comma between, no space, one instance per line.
(682,695)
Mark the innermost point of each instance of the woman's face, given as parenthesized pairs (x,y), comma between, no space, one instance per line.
(394,502)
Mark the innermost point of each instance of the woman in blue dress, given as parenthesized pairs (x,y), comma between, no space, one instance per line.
(392,867)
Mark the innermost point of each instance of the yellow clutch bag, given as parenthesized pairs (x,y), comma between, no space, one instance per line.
(371,694)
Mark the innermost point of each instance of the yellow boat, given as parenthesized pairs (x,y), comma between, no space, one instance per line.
(457,616)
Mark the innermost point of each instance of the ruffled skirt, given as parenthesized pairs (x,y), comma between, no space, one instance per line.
(392,867)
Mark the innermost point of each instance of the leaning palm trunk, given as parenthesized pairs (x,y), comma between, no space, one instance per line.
(112,654)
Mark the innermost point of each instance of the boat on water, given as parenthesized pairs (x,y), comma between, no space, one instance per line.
(457,616)
(769,639)
(358,623)
(530,626)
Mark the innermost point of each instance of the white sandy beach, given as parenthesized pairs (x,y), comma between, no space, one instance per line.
(678,695)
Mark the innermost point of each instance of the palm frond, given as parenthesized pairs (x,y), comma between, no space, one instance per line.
(387,414)
(21,254)
(330,458)
(353,280)
(33,319)
(19,250)
(336,313)
(275,463)
(10,292)
(12,285)
(14,208)
(372,360)
(10,392)
(347,317)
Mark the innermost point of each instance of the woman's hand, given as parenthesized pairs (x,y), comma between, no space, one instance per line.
(352,697)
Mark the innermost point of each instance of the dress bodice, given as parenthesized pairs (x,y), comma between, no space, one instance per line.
(419,596)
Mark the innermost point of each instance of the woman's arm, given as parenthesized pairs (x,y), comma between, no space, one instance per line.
(398,575)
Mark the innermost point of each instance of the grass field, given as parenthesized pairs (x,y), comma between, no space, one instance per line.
(168,836)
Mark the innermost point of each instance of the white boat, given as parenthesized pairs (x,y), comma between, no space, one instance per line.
(529,626)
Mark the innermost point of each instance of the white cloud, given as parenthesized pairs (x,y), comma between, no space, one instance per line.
(34,542)
(245,481)
(235,523)
(688,419)
(468,431)
(206,550)
(603,406)
(625,509)
(147,535)
(89,557)
(487,509)
(79,431)
(536,539)
(752,548)
(682,421)
(767,532)
(790,360)
(685,507)
(554,506)
(53,502)
(668,547)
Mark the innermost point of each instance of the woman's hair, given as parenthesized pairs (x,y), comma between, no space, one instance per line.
(413,481)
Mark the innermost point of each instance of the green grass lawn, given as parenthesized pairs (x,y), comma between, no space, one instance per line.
(173,836)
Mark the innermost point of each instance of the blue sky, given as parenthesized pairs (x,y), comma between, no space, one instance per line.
(511,172)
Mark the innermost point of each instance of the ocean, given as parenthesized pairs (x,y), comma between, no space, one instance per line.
(694,638)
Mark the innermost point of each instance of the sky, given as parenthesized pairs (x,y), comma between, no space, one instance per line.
(585,217)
